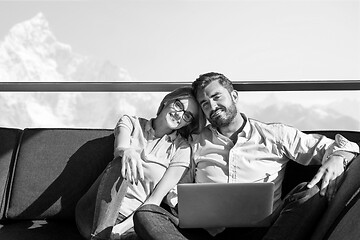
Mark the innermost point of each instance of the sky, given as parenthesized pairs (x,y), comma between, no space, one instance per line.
(177,40)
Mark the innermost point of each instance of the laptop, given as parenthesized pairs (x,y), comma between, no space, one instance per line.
(207,205)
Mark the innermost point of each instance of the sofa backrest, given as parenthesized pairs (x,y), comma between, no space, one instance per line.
(9,138)
(54,168)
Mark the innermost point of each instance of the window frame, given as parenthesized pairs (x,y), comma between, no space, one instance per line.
(303,85)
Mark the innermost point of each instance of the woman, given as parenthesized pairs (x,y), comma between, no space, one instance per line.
(150,157)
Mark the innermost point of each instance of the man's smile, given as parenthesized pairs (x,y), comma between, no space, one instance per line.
(216,113)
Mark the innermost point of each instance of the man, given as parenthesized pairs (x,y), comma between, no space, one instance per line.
(234,148)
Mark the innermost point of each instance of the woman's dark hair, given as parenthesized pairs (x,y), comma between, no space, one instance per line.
(205,79)
(198,123)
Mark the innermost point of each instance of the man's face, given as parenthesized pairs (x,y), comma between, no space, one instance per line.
(218,104)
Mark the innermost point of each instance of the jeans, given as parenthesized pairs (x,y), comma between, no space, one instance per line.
(98,210)
(294,219)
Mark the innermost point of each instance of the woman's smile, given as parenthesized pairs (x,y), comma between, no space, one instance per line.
(175,117)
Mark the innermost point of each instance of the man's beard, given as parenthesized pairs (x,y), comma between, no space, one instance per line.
(221,120)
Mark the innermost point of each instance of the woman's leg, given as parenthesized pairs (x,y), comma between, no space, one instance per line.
(97,211)
(152,222)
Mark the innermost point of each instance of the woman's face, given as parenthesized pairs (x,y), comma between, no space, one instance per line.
(180,112)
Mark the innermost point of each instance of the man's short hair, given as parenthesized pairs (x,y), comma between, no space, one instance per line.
(205,79)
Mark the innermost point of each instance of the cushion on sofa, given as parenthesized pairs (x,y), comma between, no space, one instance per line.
(8,145)
(347,189)
(54,168)
(347,226)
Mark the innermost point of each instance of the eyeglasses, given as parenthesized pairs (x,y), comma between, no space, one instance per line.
(179,107)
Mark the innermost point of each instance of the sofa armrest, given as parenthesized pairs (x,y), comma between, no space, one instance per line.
(9,140)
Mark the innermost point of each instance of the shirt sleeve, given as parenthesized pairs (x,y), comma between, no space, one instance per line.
(124,122)
(182,157)
(182,154)
(311,148)
(341,144)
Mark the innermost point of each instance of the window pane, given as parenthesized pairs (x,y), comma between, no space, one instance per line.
(338,110)
(74,109)
(313,110)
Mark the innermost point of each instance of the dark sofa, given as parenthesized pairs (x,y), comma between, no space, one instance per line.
(44,172)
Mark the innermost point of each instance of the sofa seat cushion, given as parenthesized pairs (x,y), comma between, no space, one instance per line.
(54,168)
(40,230)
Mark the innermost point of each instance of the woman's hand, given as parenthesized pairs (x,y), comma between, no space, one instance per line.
(131,166)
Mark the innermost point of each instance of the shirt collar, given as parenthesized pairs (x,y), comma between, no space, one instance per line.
(245,131)
(151,132)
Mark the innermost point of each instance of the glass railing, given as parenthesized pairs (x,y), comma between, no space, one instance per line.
(307,105)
